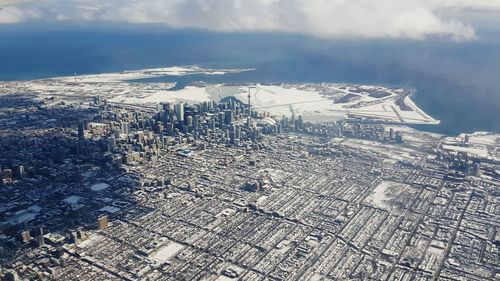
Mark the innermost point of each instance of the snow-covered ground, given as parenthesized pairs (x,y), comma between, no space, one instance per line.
(292,99)
(315,102)
(147,73)
(166,252)
(389,152)
(189,94)
(480,144)
(390,195)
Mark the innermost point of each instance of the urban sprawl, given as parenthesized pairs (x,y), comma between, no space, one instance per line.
(99,190)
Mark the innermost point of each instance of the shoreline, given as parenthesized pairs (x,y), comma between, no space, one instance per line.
(316,102)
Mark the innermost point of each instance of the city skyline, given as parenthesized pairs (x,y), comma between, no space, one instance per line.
(221,140)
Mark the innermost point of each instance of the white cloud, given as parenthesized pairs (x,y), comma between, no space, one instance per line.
(61,17)
(11,15)
(414,19)
(484,5)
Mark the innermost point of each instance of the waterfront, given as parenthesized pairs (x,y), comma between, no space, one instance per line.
(463,95)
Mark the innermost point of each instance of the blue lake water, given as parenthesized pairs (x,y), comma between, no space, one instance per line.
(456,82)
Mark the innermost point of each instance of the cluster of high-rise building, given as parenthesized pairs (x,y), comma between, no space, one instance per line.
(105,190)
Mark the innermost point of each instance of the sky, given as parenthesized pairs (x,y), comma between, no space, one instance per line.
(454,20)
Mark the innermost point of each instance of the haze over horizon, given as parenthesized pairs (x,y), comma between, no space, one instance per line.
(455,20)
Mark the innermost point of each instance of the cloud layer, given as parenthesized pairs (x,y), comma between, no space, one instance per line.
(410,19)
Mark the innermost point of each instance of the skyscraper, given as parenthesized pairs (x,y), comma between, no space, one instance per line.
(228,117)
(40,238)
(249,108)
(196,122)
(476,169)
(179,111)
(81,132)
(124,127)
(391,134)
(169,127)
(300,122)
(19,172)
(237,132)
(221,119)
(25,236)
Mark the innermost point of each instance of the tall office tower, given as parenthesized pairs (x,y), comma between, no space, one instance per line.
(169,127)
(73,237)
(232,133)
(300,122)
(196,122)
(97,99)
(237,132)
(102,222)
(19,172)
(228,117)
(124,128)
(212,124)
(136,116)
(179,111)
(41,241)
(81,132)
(25,236)
(391,134)
(249,109)
(190,121)
(221,119)
(206,131)
(40,238)
(476,169)
(286,122)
